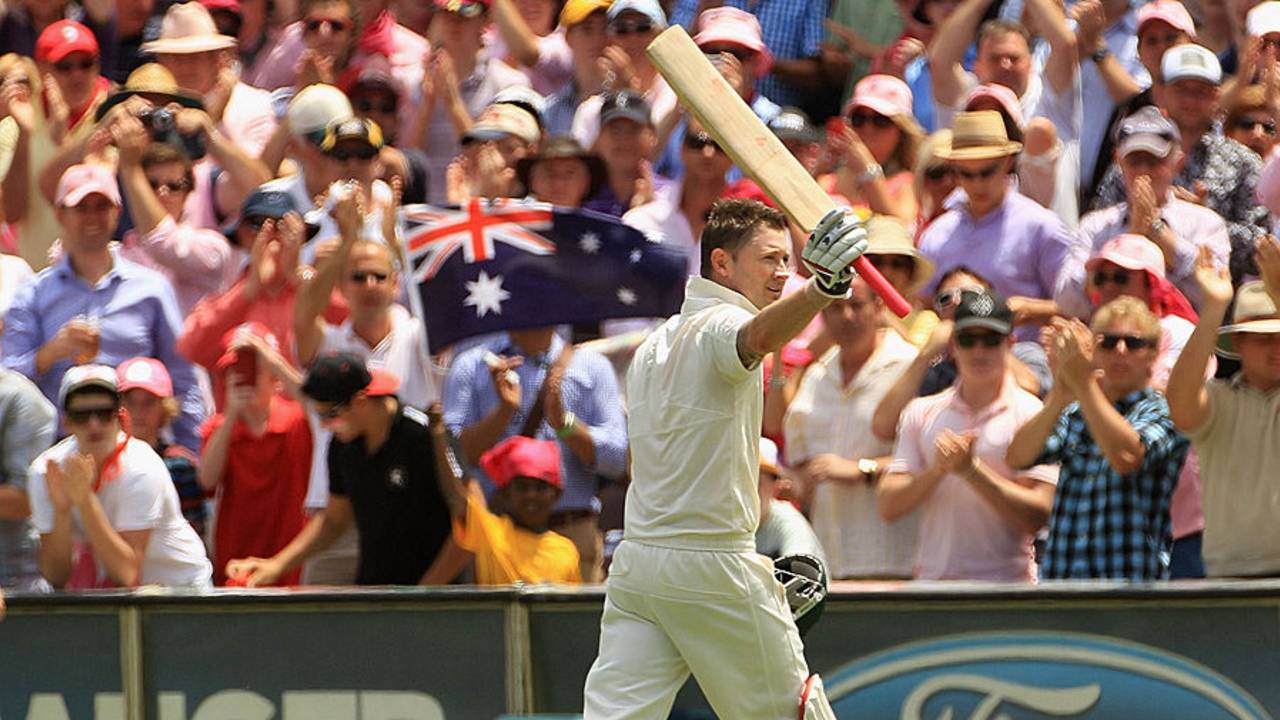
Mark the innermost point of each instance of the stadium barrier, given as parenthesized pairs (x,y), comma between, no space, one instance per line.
(1202,650)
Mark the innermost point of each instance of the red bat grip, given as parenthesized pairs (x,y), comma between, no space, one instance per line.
(895,302)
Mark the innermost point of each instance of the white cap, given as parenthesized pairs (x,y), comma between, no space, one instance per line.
(1263,18)
(1191,62)
(316,107)
(83,376)
(768,456)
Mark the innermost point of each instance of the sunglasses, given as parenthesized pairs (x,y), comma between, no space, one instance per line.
(741,53)
(81,416)
(335,411)
(985,173)
(66,66)
(1119,277)
(968,340)
(363,277)
(364,152)
(173,186)
(863,119)
(1247,125)
(388,105)
(697,141)
(335,25)
(892,262)
(939,172)
(627,27)
(1131,342)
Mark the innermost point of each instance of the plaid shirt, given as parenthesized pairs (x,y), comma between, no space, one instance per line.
(1105,525)
(1229,172)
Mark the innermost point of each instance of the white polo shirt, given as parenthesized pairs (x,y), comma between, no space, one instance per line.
(141,497)
(400,353)
(694,428)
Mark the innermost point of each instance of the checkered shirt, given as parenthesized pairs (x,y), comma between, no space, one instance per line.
(1105,525)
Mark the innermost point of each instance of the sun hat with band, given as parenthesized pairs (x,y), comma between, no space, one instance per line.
(151,79)
(1255,312)
(564,147)
(188,28)
(888,236)
(979,135)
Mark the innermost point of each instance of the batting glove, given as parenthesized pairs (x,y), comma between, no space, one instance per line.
(838,240)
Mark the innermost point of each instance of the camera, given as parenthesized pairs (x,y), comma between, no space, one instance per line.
(162,125)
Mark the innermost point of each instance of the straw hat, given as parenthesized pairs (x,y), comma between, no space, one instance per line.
(979,135)
(188,28)
(1254,313)
(149,79)
(888,236)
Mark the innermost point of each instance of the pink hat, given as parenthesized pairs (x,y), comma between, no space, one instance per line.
(145,373)
(1005,97)
(884,94)
(731,26)
(81,181)
(520,456)
(1170,12)
(1131,252)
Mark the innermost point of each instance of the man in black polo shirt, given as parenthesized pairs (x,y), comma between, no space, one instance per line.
(381,476)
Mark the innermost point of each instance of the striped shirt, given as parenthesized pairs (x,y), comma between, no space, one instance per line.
(1103,524)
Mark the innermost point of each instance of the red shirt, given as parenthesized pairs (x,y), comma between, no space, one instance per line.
(260,509)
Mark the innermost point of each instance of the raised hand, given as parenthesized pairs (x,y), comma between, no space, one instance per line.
(838,240)
(1214,282)
(1268,257)
(1075,356)
(131,139)
(505,381)
(1090,22)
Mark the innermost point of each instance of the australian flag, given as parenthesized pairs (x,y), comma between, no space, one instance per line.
(501,264)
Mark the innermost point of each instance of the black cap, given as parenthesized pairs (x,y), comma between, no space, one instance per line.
(983,309)
(627,104)
(337,377)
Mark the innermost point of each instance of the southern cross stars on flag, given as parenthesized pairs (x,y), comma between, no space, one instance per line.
(504,264)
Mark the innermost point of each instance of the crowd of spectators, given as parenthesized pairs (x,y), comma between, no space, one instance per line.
(213,371)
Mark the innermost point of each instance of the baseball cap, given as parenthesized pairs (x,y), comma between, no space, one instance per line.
(1263,19)
(237,333)
(626,105)
(373,72)
(769,456)
(1131,252)
(358,129)
(1254,312)
(62,38)
(1190,62)
(501,120)
(1003,96)
(525,98)
(1171,12)
(337,377)
(81,181)
(315,107)
(144,373)
(575,11)
(227,5)
(885,94)
(263,202)
(465,8)
(649,8)
(1147,130)
(791,123)
(984,309)
(82,377)
(521,456)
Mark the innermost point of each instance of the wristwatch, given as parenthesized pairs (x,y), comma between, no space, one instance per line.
(869,175)
(1100,54)
(869,468)
(1157,226)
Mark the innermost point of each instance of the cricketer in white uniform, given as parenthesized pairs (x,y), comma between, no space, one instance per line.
(687,591)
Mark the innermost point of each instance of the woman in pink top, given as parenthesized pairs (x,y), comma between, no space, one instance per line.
(1132,265)
(876,143)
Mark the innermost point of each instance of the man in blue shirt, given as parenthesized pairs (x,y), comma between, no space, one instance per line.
(1118,448)
(94,306)
(495,391)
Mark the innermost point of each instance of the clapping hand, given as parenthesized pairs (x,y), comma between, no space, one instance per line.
(1074,355)
(955,451)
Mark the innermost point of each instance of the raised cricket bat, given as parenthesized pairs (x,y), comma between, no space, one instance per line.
(751,145)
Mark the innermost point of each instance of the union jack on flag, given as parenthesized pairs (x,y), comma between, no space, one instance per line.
(495,265)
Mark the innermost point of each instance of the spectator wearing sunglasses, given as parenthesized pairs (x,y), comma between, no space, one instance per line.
(877,149)
(1149,156)
(376,95)
(110,492)
(679,211)
(1042,151)
(1004,235)
(1119,452)
(295,149)
(1250,122)
(255,452)
(977,515)
(935,179)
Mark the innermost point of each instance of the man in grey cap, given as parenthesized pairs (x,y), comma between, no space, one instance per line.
(1149,155)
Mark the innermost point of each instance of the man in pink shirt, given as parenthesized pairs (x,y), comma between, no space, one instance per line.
(979,516)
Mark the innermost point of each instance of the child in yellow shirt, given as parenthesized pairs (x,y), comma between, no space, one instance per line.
(518,546)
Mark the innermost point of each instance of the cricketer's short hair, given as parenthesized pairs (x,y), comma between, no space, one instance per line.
(731,223)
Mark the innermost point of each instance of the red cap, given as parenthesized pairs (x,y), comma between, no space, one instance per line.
(145,373)
(381,383)
(521,456)
(63,38)
(229,5)
(253,328)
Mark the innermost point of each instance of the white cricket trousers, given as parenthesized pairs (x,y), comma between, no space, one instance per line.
(720,615)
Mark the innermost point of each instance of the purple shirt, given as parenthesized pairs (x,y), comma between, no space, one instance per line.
(137,314)
(1019,247)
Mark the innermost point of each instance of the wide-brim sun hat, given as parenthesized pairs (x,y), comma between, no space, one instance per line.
(979,135)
